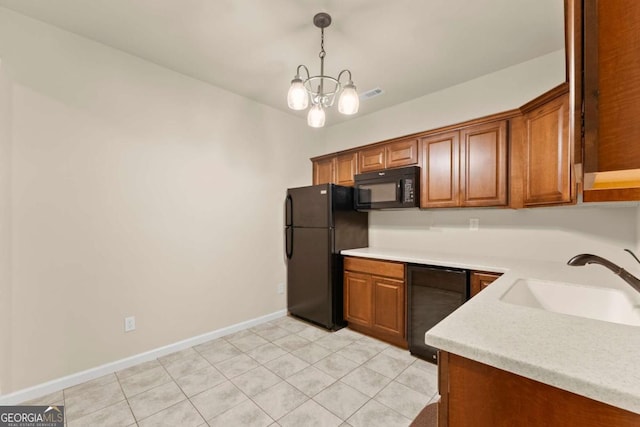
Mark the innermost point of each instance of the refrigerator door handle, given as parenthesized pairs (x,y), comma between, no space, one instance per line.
(288,211)
(289,242)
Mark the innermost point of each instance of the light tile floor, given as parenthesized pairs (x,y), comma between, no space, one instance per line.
(281,373)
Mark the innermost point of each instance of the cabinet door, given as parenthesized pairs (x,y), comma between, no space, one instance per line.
(547,164)
(346,168)
(388,306)
(371,159)
(402,153)
(358,298)
(612,85)
(324,171)
(480,280)
(483,165)
(440,179)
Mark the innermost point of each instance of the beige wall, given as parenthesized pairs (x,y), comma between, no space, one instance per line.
(500,91)
(5,234)
(135,191)
(553,233)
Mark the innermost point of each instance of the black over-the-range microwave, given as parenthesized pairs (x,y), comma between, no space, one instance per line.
(388,189)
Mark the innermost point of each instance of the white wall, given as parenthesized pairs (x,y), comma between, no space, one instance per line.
(134,191)
(552,233)
(500,91)
(5,234)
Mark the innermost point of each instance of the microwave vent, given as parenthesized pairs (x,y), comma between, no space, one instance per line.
(371,93)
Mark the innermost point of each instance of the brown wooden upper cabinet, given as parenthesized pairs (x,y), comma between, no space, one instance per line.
(611,93)
(391,155)
(542,149)
(346,168)
(324,170)
(439,173)
(401,153)
(466,167)
(336,169)
(371,159)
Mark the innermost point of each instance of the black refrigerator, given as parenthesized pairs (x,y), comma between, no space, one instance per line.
(320,221)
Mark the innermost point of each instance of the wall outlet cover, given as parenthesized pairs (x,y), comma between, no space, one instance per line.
(129,323)
(474,224)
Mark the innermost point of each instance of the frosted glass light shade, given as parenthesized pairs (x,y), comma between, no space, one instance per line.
(316,116)
(349,101)
(297,98)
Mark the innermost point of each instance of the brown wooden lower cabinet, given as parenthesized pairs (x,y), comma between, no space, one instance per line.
(478,395)
(481,279)
(375,299)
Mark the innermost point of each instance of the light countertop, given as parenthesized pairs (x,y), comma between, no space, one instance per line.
(592,358)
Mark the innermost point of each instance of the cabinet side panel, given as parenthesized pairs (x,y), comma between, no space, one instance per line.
(484,396)
(619,85)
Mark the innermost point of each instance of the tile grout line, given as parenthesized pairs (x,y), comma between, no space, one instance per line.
(135,419)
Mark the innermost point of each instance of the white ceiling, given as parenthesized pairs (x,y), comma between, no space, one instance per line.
(409,48)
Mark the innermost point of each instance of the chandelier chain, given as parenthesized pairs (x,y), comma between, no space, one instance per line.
(322,52)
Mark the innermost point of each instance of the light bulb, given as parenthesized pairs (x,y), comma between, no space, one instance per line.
(316,116)
(349,101)
(297,98)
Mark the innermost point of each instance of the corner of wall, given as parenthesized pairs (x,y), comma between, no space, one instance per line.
(5,234)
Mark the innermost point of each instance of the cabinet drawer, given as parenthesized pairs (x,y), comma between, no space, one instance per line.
(379,268)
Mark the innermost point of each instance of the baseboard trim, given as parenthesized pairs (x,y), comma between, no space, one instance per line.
(108,368)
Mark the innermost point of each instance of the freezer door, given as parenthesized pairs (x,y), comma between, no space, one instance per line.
(309,278)
(309,206)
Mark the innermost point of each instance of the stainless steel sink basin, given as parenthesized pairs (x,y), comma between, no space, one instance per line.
(610,305)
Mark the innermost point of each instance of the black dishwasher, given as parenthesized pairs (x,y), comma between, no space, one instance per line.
(434,293)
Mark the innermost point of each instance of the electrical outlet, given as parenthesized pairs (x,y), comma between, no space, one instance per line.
(130,324)
(281,288)
(474,224)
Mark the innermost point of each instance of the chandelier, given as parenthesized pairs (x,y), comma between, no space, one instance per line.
(322,90)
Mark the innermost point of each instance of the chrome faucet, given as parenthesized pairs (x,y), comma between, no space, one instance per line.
(584,259)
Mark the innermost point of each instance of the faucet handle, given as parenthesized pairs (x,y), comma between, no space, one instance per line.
(633,255)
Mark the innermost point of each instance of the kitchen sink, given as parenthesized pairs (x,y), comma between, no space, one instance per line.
(610,305)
